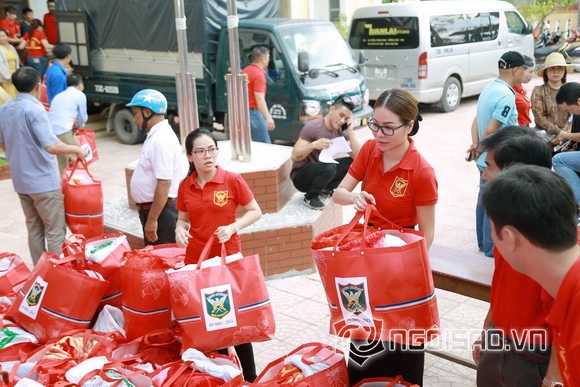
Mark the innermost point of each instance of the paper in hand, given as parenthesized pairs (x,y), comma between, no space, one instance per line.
(338,145)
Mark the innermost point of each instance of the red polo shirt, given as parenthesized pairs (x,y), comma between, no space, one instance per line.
(50,28)
(256,83)
(522,106)
(212,206)
(34,43)
(13,27)
(400,190)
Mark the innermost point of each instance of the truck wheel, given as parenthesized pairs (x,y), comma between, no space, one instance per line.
(451,95)
(126,129)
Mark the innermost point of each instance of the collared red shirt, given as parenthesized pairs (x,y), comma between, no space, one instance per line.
(66,107)
(13,27)
(26,131)
(55,80)
(256,83)
(50,28)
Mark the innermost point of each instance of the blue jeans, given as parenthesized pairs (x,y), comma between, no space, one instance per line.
(39,63)
(482,225)
(259,127)
(567,164)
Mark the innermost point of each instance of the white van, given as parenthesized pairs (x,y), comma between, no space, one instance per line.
(440,51)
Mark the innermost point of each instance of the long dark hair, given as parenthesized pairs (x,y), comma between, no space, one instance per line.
(191,137)
(403,104)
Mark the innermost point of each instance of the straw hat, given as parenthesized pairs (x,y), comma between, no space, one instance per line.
(553,60)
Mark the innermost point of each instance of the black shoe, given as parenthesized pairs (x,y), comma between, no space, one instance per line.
(326,193)
(314,203)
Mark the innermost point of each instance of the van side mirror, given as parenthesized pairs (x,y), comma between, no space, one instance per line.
(529,29)
(362,58)
(303,61)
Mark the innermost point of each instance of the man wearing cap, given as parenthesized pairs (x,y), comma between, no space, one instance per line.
(496,109)
(160,168)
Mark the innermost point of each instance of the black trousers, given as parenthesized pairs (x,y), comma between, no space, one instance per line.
(165,224)
(246,355)
(378,359)
(314,177)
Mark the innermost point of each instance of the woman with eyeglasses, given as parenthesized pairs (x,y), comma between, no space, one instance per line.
(207,201)
(403,187)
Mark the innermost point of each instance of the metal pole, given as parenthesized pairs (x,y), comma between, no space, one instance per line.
(237,86)
(184,80)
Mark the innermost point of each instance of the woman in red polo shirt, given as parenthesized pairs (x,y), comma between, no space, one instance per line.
(402,186)
(208,200)
(37,44)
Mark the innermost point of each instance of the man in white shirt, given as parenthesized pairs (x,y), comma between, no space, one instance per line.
(161,167)
(68,110)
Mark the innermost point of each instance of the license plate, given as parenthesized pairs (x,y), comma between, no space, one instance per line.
(381,72)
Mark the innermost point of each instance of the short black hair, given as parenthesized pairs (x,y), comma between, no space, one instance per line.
(536,201)
(61,50)
(73,79)
(517,144)
(26,10)
(10,9)
(258,51)
(344,100)
(25,79)
(569,93)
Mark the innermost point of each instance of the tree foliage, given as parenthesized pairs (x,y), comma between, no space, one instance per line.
(536,11)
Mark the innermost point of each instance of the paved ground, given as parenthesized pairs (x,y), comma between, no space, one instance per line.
(298,301)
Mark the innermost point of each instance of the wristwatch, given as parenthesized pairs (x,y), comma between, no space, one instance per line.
(550,383)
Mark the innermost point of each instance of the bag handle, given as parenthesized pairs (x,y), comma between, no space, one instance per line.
(178,372)
(316,349)
(76,165)
(207,248)
(367,214)
(12,257)
(73,247)
(159,332)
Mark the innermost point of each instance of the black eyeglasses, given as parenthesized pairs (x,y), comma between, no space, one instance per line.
(386,130)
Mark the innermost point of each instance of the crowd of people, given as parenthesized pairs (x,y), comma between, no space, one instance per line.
(526,215)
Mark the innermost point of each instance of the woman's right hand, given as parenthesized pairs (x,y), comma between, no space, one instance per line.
(182,237)
(361,199)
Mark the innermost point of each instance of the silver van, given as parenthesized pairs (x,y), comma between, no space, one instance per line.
(440,51)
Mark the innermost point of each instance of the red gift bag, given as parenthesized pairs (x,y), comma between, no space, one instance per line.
(145,288)
(379,293)
(106,252)
(87,140)
(309,365)
(13,273)
(385,382)
(159,347)
(57,298)
(223,304)
(83,200)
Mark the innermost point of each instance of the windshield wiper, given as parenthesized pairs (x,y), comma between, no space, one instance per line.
(344,66)
(313,73)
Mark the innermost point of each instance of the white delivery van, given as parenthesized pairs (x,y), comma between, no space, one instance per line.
(440,51)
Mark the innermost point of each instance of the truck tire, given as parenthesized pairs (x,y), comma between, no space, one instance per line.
(451,95)
(126,129)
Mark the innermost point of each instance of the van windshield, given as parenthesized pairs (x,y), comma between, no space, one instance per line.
(323,43)
(385,33)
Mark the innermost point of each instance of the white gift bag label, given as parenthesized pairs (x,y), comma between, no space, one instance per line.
(219,310)
(353,298)
(32,301)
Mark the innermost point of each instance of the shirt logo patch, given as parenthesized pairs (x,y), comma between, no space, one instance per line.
(220,198)
(399,187)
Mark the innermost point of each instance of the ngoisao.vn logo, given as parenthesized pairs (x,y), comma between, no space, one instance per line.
(218,307)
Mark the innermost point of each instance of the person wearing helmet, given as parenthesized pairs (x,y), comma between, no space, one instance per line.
(159,170)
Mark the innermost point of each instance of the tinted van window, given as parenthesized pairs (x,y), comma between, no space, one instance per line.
(515,24)
(447,30)
(385,33)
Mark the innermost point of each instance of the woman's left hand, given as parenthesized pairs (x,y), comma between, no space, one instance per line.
(224,233)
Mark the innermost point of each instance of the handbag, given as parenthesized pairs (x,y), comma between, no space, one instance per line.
(87,140)
(13,273)
(83,200)
(221,303)
(45,306)
(385,382)
(145,288)
(105,252)
(379,293)
(309,365)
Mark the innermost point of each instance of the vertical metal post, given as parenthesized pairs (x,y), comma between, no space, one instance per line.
(237,86)
(184,80)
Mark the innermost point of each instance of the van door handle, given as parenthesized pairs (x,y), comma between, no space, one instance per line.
(499,43)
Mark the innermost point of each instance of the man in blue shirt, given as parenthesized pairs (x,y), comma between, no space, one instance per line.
(26,136)
(496,109)
(56,73)
(68,109)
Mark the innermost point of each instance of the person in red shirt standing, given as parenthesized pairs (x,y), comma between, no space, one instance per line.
(50,23)
(260,119)
(523,104)
(38,45)
(10,25)
(534,226)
